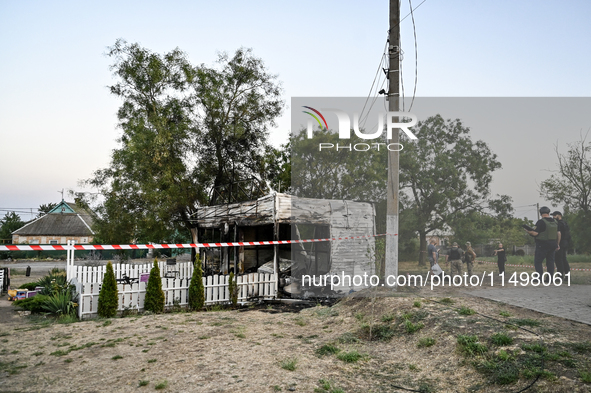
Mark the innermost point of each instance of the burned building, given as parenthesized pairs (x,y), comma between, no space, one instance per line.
(285,217)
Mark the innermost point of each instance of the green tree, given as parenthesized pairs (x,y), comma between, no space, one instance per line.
(45,208)
(154,300)
(185,130)
(108,295)
(332,174)
(10,223)
(442,173)
(196,288)
(570,186)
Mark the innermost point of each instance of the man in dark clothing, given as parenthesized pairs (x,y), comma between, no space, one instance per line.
(501,257)
(454,256)
(560,257)
(547,241)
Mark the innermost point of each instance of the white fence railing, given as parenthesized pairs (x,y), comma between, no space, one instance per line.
(176,292)
(1,280)
(95,274)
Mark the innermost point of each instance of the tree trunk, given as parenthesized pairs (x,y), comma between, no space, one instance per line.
(422,247)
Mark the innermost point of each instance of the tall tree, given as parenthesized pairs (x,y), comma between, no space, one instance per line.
(10,223)
(45,208)
(570,186)
(442,173)
(185,130)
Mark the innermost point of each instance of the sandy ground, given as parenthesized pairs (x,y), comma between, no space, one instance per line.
(248,350)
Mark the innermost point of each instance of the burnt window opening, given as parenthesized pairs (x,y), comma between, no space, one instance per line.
(311,258)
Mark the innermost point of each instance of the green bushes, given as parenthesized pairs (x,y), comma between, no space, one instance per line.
(108,296)
(33,304)
(196,290)
(57,297)
(154,301)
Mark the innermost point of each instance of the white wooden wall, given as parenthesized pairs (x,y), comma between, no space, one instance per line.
(250,286)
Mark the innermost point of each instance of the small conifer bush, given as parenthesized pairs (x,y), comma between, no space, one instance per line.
(108,296)
(154,295)
(196,289)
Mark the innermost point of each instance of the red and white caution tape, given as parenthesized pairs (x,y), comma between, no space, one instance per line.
(533,267)
(19,247)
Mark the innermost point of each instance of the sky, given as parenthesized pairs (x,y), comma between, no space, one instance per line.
(58,120)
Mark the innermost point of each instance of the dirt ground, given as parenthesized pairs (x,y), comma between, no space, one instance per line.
(357,345)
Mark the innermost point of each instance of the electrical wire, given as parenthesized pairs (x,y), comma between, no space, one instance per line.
(414,29)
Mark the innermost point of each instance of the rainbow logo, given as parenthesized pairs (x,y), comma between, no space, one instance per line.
(317,119)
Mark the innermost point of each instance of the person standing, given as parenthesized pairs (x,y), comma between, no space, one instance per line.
(432,252)
(469,258)
(501,257)
(547,241)
(455,255)
(562,265)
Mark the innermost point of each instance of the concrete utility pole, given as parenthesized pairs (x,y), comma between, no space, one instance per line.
(391,261)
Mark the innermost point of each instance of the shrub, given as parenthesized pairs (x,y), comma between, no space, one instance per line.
(349,357)
(60,303)
(154,295)
(33,304)
(327,349)
(30,286)
(233,289)
(466,311)
(501,339)
(426,342)
(109,295)
(289,364)
(196,290)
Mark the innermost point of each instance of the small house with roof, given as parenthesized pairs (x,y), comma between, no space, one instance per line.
(66,221)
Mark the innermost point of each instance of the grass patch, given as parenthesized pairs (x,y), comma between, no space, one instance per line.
(580,347)
(59,352)
(322,311)
(417,304)
(11,368)
(349,357)
(426,342)
(538,348)
(117,357)
(348,338)
(501,339)
(143,383)
(466,311)
(300,322)
(447,300)
(585,376)
(505,313)
(525,322)
(388,317)
(107,323)
(470,345)
(289,364)
(161,385)
(152,360)
(327,349)
(412,328)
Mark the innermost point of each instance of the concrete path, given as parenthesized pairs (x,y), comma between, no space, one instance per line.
(572,302)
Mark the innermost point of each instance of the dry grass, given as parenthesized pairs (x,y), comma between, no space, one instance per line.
(260,351)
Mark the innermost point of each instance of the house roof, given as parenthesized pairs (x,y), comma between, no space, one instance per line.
(66,219)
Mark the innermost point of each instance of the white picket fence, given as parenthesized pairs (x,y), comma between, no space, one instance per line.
(176,291)
(95,274)
(1,280)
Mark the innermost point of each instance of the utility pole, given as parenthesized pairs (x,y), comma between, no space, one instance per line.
(393,96)
(538,210)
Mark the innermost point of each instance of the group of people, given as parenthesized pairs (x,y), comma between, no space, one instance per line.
(552,235)
(455,256)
